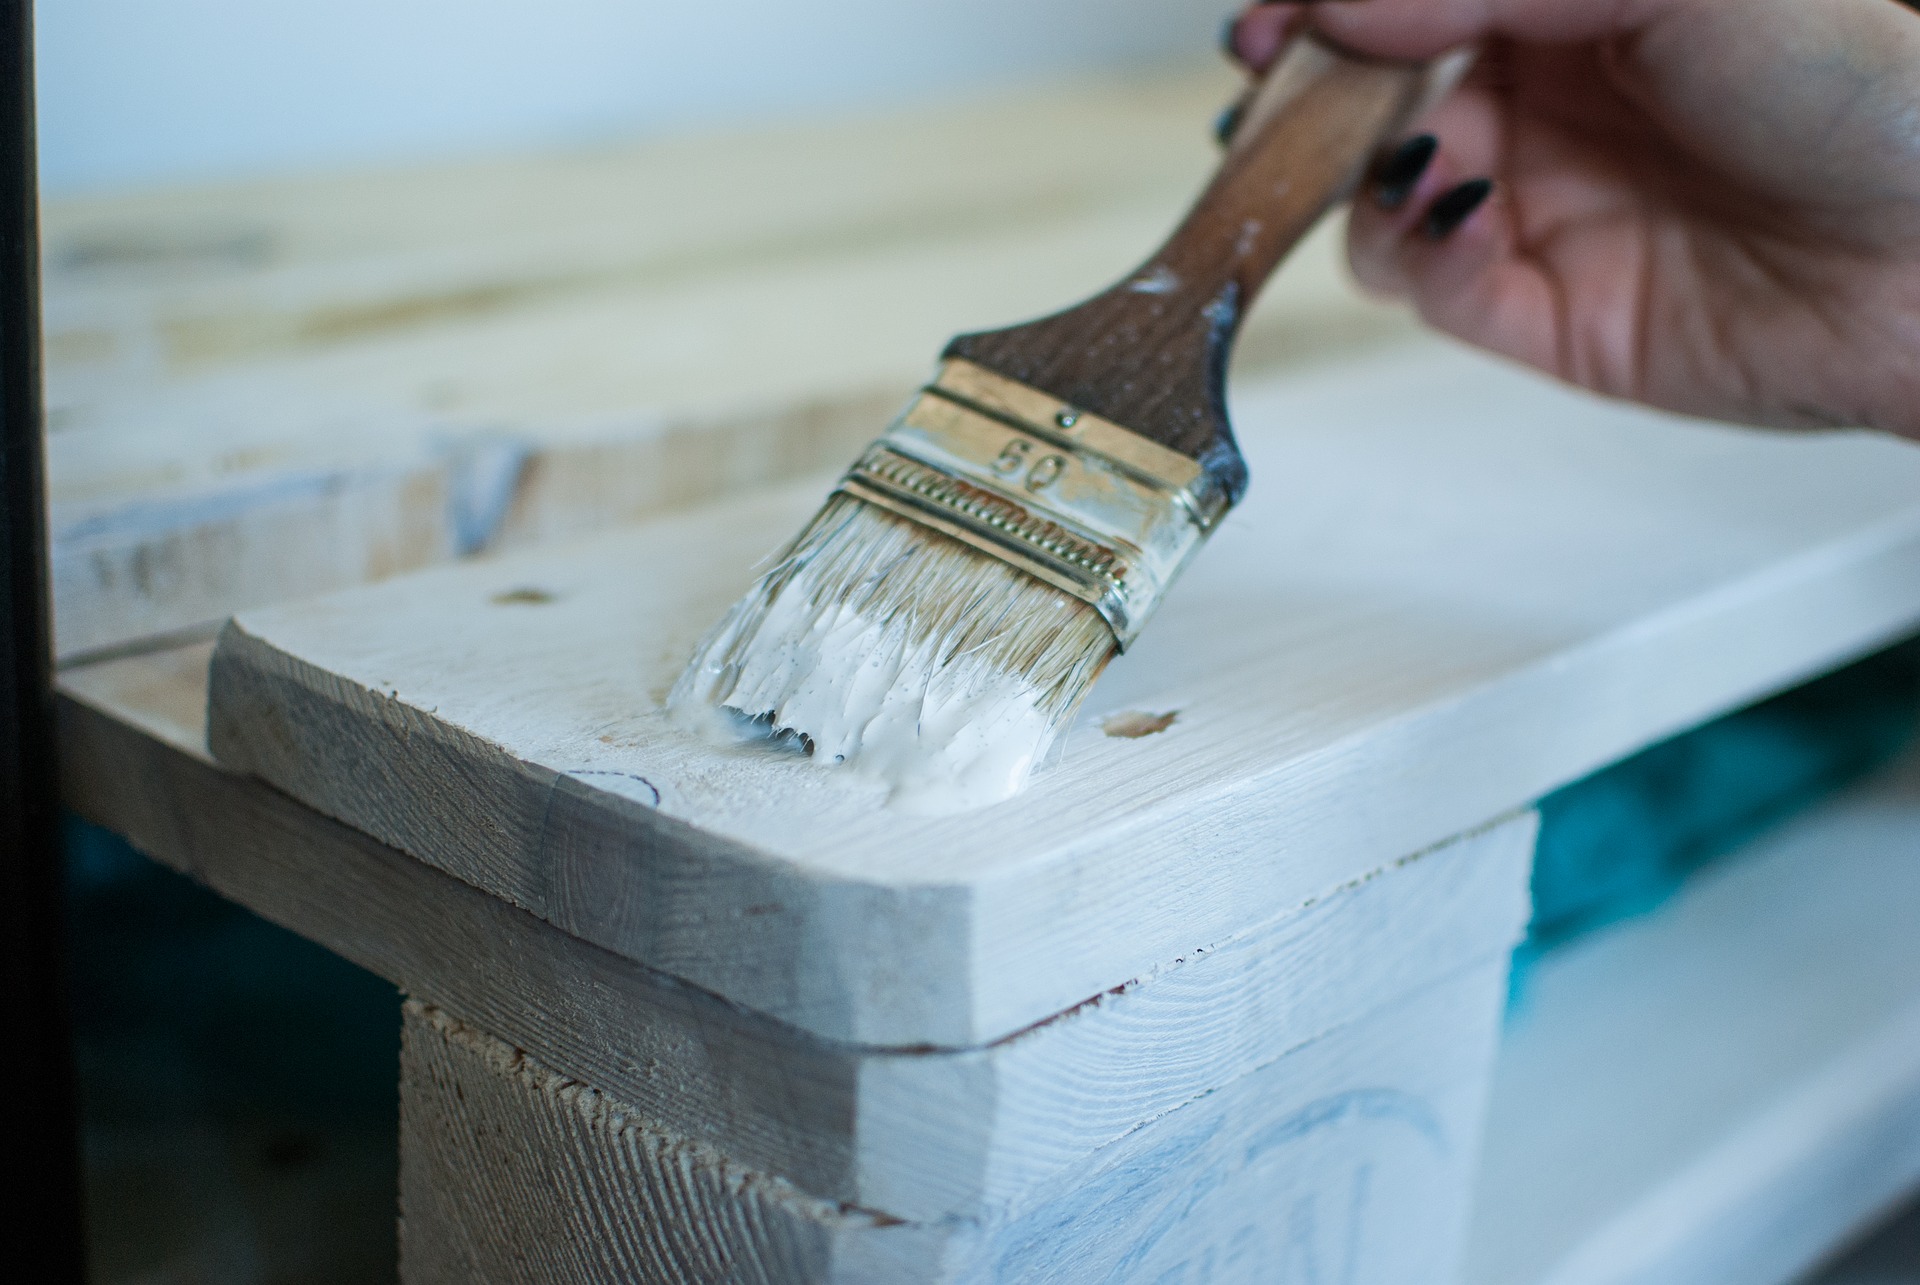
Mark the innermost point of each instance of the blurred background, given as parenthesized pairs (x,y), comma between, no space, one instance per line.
(139,91)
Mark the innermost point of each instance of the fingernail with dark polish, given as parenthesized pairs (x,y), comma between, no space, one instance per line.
(1227,123)
(1454,206)
(1394,179)
(1229,32)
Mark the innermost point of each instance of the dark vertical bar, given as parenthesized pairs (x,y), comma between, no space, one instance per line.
(39,1116)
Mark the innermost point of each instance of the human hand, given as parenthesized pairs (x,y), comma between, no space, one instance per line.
(1711,206)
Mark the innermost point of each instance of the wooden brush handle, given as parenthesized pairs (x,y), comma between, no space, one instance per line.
(1151,353)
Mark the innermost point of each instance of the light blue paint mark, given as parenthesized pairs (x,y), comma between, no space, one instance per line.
(1135,1202)
(145,519)
(483,476)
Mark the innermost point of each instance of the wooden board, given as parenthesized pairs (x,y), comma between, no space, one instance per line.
(1616,1030)
(918,1133)
(1724,1091)
(1453,588)
(1349,1159)
(273,389)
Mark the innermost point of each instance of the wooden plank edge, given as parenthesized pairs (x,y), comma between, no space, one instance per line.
(826,1115)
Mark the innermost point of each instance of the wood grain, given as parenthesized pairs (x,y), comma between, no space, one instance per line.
(1462,588)
(513,1172)
(212,276)
(1349,1159)
(915,1132)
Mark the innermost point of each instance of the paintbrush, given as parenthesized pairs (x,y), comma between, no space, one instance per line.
(944,613)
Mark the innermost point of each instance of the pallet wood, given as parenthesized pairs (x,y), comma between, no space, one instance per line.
(1349,1159)
(916,1133)
(273,389)
(134,760)
(1722,1092)
(1453,588)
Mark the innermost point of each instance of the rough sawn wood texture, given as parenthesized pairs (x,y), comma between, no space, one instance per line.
(512,1172)
(1353,1155)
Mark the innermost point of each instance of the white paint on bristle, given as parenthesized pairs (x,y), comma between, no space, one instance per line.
(904,655)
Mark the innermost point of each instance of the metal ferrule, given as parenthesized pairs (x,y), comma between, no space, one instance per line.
(1079,502)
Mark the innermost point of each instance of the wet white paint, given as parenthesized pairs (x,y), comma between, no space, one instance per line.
(902,656)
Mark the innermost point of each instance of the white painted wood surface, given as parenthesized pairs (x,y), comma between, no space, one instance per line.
(504,1183)
(983,1129)
(1453,588)
(1803,941)
(1348,1160)
(270,390)
(1724,1091)
(916,1133)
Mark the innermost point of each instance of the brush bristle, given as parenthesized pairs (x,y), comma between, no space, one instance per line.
(904,653)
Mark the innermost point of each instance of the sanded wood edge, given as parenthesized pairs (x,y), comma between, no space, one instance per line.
(510,1171)
(601,866)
